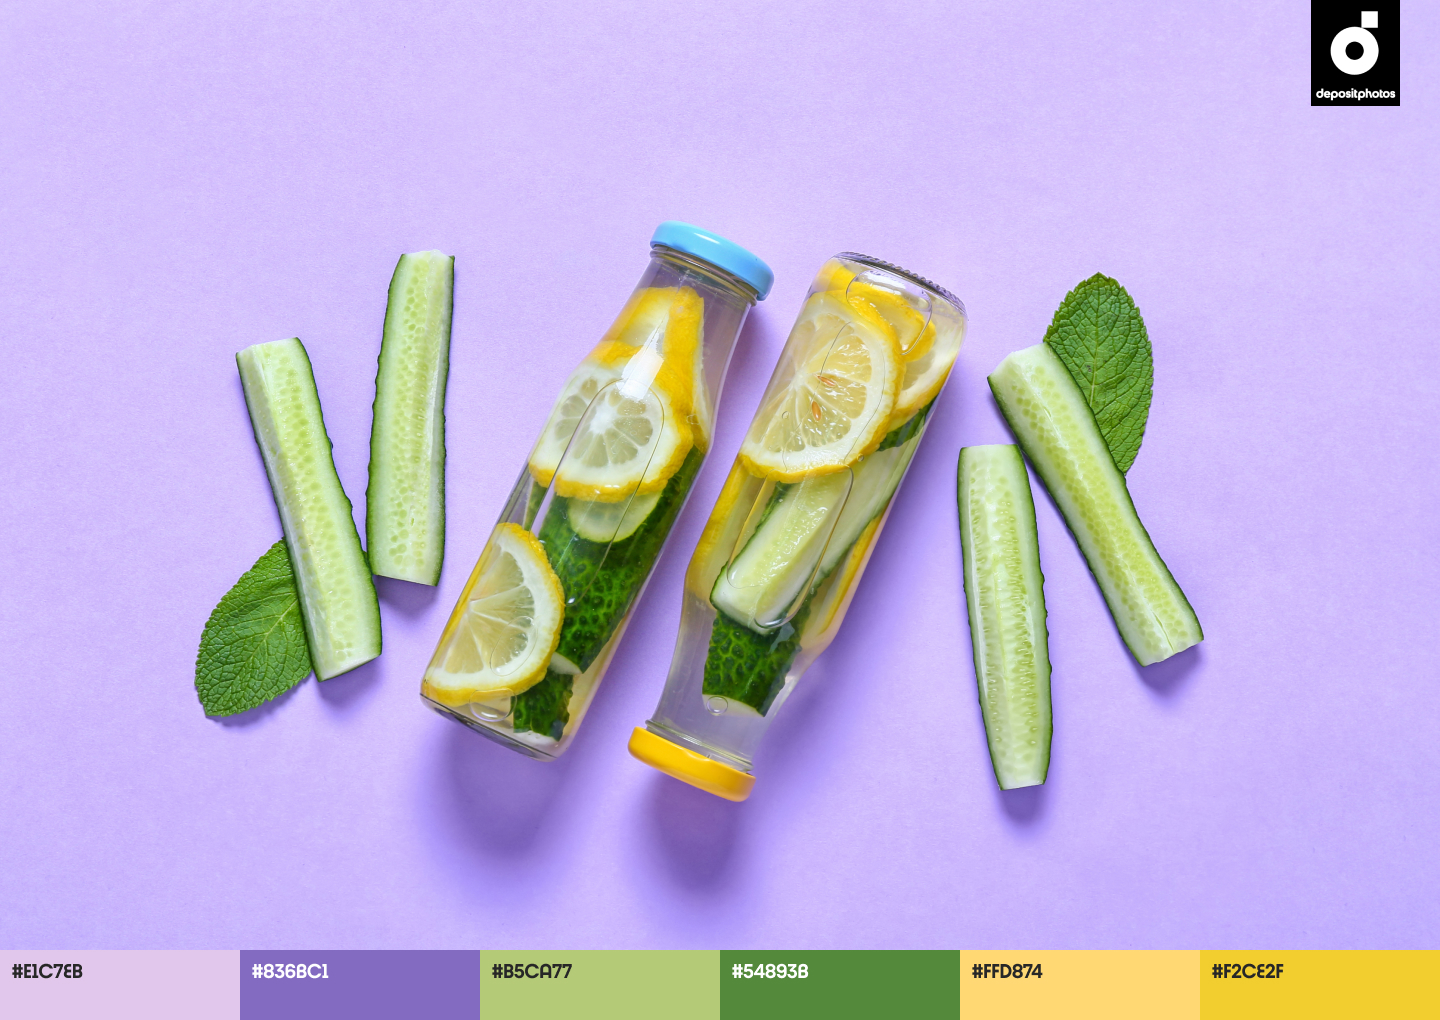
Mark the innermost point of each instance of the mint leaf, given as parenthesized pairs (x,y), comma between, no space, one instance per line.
(254,645)
(1099,335)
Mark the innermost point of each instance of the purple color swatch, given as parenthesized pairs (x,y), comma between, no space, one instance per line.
(360,984)
(183,180)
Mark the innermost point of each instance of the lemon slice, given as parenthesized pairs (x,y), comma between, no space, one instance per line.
(668,321)
(913,332)
(928,351)
(717,541)
(881,305)
(657,316)
(506,626)
(579,390)
(702,412)
(632,439)
(626,444)
(833,408)
(928,347)
(926,373)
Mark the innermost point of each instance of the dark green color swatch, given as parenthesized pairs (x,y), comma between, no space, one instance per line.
(919,984)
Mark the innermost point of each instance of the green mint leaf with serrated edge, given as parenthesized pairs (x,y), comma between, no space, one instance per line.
(1100,337)
(253,648)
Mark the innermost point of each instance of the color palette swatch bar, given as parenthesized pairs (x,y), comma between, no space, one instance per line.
(1117,984)
(722,985)
(639,984)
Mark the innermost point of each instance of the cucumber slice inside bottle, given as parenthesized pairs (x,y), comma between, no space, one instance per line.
(746,663)
(1048,414)
(1005,596)
(337,596)
(876,479)
(610,522)
(762,586)
(819,517)
(405,500)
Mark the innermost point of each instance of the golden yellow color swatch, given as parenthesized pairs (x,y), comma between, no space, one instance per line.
(1319,984)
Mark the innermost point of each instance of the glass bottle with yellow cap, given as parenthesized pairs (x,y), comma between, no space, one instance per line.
(528,643)
(778,562)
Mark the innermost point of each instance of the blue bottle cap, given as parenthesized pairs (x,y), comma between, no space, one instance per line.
(717,251)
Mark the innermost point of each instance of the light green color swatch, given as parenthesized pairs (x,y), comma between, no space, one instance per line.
(599,984)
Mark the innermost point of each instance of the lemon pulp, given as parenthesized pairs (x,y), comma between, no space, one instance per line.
(506,626)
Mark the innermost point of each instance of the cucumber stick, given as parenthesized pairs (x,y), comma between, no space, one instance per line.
(877,477)
(763,582)
(1004,591)
(762,585)
(337,596)
(405,501)
(1048,414)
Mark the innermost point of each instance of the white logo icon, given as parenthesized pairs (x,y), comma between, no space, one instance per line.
(1369,47)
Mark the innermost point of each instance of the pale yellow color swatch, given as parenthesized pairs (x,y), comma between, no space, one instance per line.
(1079,984)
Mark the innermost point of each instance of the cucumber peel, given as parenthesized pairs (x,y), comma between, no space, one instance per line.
(1005,599)
(1055,427)
(337,595)
(602,580)
(545,708)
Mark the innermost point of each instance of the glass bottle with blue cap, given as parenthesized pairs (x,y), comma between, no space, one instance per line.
(536,625)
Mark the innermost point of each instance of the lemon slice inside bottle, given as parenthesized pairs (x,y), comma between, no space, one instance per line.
(627,444)
(579,390)
(840,393)
(506,626)
(912,330)
(668,321)
(623,439)
(722,528)
(925,374)
(928,349)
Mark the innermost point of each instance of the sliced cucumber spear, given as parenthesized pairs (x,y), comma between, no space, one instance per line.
(763,584)
(823,514)
(1004,591)
(1048,414)
(405,501)
(337,597)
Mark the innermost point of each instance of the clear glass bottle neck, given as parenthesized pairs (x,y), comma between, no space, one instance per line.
(685,262)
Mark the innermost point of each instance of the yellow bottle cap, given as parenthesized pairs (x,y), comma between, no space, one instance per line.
(690,767)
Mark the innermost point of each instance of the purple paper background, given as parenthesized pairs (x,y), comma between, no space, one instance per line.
(182,180)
